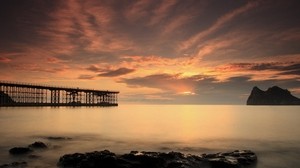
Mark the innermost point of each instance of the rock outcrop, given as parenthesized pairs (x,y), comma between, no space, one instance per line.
(38,145)
(19,150)
(26,150)
(134,159)
(273,96)
(14,165)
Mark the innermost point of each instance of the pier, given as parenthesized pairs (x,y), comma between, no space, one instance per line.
(26,94)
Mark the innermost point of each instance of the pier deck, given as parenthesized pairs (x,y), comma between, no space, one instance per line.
(26,94)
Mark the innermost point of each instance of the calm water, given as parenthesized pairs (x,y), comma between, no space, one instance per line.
(270,131)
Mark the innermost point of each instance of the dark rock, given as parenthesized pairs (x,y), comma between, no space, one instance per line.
(19,150)
(38,145)
(89,160)
(34,156)
(231,159)
(6,99)
(273,96)
(58,138)
(135,159)
(14,165)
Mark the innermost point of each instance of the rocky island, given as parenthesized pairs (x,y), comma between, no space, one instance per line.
(273,96)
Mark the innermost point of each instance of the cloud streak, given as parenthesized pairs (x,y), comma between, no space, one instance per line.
(281,67)
(117,72)
(4,60)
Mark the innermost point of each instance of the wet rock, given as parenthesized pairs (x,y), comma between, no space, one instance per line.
(19,150)
(89,160)
(14,165)
(236,158)
(135,159)
(38,145)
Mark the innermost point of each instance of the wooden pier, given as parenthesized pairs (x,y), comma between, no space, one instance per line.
(26,94)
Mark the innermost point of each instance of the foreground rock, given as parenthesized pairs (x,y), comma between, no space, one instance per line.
(107,159)
(273,96)
(14,165)
(26,150)
(19,150)
(38,145)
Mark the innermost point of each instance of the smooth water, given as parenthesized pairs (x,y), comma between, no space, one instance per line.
(272,132)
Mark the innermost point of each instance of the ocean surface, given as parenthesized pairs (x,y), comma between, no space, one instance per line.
(272,132)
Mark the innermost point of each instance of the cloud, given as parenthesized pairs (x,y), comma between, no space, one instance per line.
(276,66)
(95,68)
(38,68)
(291,72)
(218,24)
(162,11)
(54,60)
(282,67)
(170,82)
(138,10)
(86,76)
(117,72)
(176,23)
(4,60)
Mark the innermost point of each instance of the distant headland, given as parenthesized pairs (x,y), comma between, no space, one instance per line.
(273,96)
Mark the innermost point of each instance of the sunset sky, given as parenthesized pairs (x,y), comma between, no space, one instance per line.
(154,51)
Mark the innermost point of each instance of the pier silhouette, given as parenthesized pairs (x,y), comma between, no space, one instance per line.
(27,94)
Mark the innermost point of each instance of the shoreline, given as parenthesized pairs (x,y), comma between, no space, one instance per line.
(133,159)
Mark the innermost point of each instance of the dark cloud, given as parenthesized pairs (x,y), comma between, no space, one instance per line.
(20,21)
(4,60)
(94,68)
(86,77)
(275,66)
(117,72)
(167,82)
(292,72)
(152,81)
(282,68)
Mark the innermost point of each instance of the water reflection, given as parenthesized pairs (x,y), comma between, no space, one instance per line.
(269,131)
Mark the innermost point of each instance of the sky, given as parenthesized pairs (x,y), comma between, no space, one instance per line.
(154,51)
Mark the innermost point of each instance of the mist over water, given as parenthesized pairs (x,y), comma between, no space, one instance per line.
(270,131)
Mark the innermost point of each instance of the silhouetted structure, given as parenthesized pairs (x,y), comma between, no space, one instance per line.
(25,94)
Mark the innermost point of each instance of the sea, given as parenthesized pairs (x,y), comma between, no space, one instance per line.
(272,132)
